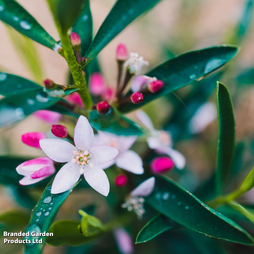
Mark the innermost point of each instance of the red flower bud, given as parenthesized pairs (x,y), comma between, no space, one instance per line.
(162,165)
(121,180)
(103,107)
(75,39)
(59,130)
(48,83)
(121,52)
(155,86)
(137,97)
(33,138)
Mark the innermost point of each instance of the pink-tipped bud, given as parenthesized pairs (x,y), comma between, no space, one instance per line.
(108,94)
(121,52)
(103,107)
(33,138)
(121,180)
(155,86)
(96,84)
(75,98)
(59,130)
(48,83)
(162,165)
(48,116)
(75,40)
(137,98)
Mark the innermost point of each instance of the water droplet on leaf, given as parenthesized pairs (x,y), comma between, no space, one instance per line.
(16,18)
(32,228)
(193,76)
(187,207)
(42,97)
(46,214)
(47,200)
(165,196)
(2,6)
(3,77)
(38,214)
(30,101)
(25,25)
(85,18)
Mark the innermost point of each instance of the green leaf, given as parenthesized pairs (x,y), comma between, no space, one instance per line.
(90,225)
(84,28)
(66,12)
(13,14)
(42,216)
(66,232)
(248,182)
(15,108)
(113,122)
(246,77)
(120,16)
(184,208)
(226,135)
(183,70)
(13,220)
(156,226)
(11,84)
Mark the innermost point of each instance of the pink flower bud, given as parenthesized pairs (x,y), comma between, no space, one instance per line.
(137,98)
(162,165)
(121,180)
(103,107)
(155,86)
(121,52)
(59,130)
(48,83)
(96,84)
(108,94)
(138,83)
(75,39)
(124,241)
(33,138)
(75,98)
(35,170)
(49,117)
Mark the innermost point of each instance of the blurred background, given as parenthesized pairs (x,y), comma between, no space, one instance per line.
(171,28)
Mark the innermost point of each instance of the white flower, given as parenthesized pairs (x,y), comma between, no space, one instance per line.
(135,63)
(161,141)
(135,201)
(203,117)
(127,159)
(141,82)
(83,159)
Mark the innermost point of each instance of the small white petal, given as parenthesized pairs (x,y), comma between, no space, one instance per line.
(125,142)
(97,179)
(107,164)
(28,180)
(154,142)
(66,178)
(144,118)
(176,156)
(123,241)
(57,149)
(131,162)
(83,134)
(104,154)
(144,189)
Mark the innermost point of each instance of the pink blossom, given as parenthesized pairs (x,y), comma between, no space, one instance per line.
(96,84)
(108,94)
(48,116)
(75,98)
(161,165)
(121,52)
(121,180)
(33,138)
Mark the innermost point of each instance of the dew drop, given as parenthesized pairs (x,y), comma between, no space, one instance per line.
(38,214)
(193,76)
(165,196)
(51,203)
(47,200)
(37,220)
(213,64)
(158,195)
(44,210)
(25,24)
(32,228)
(57,48)
(3,77)
(57,93)
(179,203)
(46,214)
(50,208)
(85,18)
(16,18)
(173,196)
(30,101)
(2,6)
(187,207)
(42,97)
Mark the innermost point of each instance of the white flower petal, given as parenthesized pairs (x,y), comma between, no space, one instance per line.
(131,162)
(28,180)
(144,118)
(104,154)
(125,142)
(145,188)
(83,134)
(97,179)
(66,178)
(176,156)
(124,241)
(57,149)
(154,142)
(107,164)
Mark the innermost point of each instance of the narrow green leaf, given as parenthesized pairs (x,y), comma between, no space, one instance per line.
(246,77)
(120,16)
(11,84)
(15,108)
(184,208)
(183,70)
(84,28)
(66,12)
(226,135)
(13,14)
(115,123)
(156,226)
(42,216)
(66,232)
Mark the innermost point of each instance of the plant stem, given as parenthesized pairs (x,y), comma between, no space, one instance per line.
(76,71)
